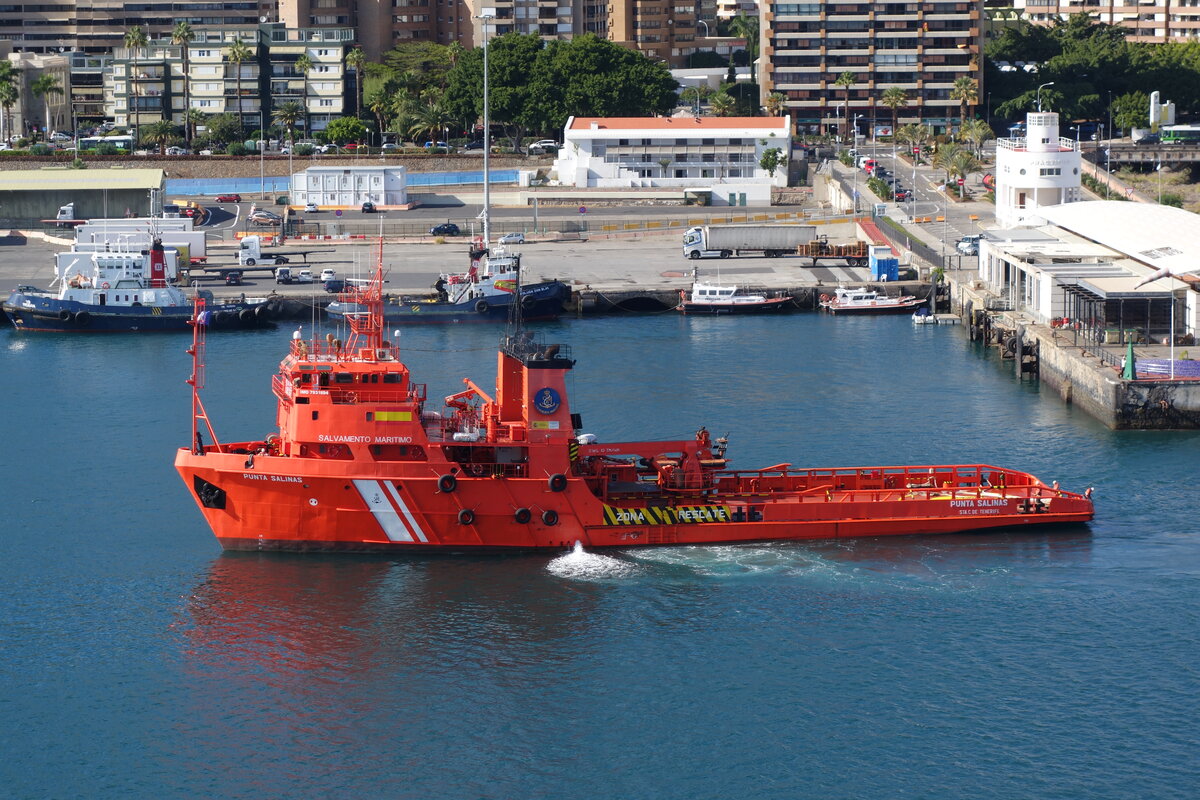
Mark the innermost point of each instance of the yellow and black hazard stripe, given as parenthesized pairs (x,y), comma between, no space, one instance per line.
(668,515)
(156,311)
(573,450)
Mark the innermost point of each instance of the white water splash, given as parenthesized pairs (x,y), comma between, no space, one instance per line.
(733,560)
(582,565)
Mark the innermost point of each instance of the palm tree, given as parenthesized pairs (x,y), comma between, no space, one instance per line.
(191,118)
(961,165)
(44,86)
(160,133)
(135,38)
(9,95)
(239,52)
(976,131)
(895,99)
(774,103)
(846,80)
(431,118)
(304,66)
(286,115)
(721,104)
(379,102)
(182,35)
(356,58)
(944,157)
(915,136)
(746,27)
(966,92)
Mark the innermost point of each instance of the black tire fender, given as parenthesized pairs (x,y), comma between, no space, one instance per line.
(522,515)
(550,516)
(481,306)
(83,319)
(466,517)
(64,315)
(557,482)
(447,483)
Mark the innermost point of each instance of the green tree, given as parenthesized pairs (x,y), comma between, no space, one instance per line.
(192,118)
(894,98)
(966,92)
(772,159)
(223,128)
(976,131)
(429,64)
(10,93)
(239,52)
(379,102)
(944,157)
(304,65)
(1131,111)
(345,129)
(846,80)
(159,133)
(775,103)
(135,39)
(182,35)
(356,59)
(915,136)
(432,119)
(44,86)
(722,104)
(286,115)
(962,165)
(746,27)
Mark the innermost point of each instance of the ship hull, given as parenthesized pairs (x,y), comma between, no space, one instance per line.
(50,315)
(770,306)
(539,302)
(265,504)
(890,308)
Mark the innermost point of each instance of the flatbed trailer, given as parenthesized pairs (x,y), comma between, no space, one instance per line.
(854,253)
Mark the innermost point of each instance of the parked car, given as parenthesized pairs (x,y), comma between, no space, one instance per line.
(1149,138)
(335,285)
(233,278)
(389,146)
(369,208)
(445,229)
(229,198)
(512,238)
(311,208)
(969,245)
(902,194)
(442,145)
(262,217)
(542,145)
(327,274)
(283,275)
(473,146)
(303,276)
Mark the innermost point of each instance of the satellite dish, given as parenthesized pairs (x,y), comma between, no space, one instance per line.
(262,19)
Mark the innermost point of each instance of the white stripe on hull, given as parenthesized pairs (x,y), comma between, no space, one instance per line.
(376,499)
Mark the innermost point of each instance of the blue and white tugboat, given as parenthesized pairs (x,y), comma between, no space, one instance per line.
(484,293)
(122,290)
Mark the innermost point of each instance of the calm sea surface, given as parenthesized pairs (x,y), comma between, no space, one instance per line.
(136,660)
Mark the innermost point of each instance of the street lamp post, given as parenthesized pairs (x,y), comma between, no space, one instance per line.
(705,24)
(854,142)
(1039,94)
(262,154)
(487,133)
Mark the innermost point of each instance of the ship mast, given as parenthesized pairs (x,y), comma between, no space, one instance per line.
(367,324)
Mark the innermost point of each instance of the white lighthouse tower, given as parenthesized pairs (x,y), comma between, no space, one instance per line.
(1039,169)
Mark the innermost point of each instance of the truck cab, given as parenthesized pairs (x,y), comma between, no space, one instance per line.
(694,246)
(250,252)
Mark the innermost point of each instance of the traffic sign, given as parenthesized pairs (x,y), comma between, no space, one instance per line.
(337,213)
(960,181)
(583,209)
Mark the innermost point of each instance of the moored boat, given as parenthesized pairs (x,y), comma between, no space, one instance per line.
(363,460)
(867,301)
(710,298)
(122,290)
(484,293)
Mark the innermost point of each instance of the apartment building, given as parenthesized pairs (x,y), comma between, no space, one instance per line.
(52,111)
(921,47)
(1146,20)
(97,26)
(662,30)
(379,25)
(146,84)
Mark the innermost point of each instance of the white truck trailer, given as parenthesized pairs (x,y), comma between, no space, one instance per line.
(723,241)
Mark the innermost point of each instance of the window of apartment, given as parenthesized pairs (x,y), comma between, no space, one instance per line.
(797,8)
(1049,171)
(325,103)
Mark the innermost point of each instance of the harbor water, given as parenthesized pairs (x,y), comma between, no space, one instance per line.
(140,661)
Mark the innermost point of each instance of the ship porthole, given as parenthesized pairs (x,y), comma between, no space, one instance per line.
(466,516)
(550,516)
(522,516)
(312,501)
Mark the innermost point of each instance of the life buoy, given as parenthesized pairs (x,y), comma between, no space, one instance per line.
(825,298)
(104,285)
(550,516)
(557,482)
(447,483)
(466,516)
(481,306)
(522,515)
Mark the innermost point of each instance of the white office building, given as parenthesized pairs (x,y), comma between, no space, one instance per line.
(721,155)
(351,186)
(1037,170)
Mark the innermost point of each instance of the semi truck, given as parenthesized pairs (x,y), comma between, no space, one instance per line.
(723,241)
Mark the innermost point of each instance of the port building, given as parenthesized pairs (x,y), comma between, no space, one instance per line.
(37,194)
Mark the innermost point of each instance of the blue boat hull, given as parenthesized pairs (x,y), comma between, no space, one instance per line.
(539,301)
(48,314)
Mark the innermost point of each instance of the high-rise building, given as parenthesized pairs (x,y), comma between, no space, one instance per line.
(921,47)
(97,26)
(1145,20)
(660,29)
(146,84)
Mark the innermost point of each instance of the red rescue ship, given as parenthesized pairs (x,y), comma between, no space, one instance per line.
(362,461)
